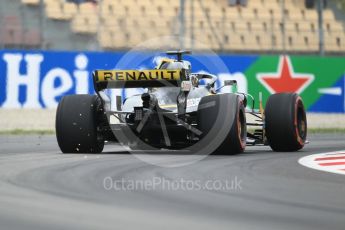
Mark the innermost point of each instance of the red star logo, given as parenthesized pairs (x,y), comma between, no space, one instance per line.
(285,80)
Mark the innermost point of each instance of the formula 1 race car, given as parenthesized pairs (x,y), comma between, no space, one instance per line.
(178,110)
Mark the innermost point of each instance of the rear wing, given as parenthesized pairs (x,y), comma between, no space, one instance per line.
(137,78)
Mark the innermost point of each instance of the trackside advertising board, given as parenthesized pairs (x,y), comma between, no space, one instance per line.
(38,79)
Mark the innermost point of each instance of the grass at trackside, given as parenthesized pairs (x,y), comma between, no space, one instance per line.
(26,132)
(52,132)
(326,130)
(319,130)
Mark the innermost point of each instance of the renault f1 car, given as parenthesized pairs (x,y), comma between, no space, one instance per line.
(178,110)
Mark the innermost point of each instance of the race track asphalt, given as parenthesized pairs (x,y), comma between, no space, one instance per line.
(40,188)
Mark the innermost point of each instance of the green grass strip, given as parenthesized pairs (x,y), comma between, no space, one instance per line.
(326,130)
(26,132)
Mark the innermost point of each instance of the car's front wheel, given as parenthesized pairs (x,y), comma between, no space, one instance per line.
(285,122)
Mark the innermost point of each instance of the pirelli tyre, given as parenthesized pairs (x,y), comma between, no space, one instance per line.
(77,120)
(221,119)
(285,122)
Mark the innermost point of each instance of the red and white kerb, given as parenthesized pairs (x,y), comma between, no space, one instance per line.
(333,162)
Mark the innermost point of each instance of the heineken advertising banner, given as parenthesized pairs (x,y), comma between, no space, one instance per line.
(31,79)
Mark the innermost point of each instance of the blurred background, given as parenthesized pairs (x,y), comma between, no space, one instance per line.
(49,48)
(238,26)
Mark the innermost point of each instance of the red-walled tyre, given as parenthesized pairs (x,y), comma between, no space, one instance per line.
(228,113)
(285,122)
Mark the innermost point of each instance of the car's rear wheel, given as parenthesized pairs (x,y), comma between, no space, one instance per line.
(77,120)
(223,112)
(285,122)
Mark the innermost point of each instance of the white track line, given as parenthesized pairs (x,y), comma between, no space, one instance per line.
(333,162)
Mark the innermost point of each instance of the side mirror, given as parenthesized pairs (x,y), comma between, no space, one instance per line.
(230,82)
(194,80)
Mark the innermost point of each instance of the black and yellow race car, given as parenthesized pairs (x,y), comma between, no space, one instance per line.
(178,110)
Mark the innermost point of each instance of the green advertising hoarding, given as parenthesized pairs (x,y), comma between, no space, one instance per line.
(319,80)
